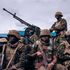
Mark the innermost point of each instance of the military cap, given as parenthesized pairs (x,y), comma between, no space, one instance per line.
(45,32)
(58,14)
(15,33)
(3,40)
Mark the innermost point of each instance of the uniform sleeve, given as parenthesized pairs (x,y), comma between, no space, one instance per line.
(64,24)
(53,27)
(20,57)
(60,51)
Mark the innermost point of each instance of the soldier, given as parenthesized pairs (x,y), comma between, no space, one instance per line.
(63,62)
(31,35)
(2,42)
(43,49)
(12,51)
(27,56)
(60,24)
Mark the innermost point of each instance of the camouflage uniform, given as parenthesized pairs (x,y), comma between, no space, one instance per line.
(58,40)
(27,56)
(9,50)
(60,24)
(43,50)
(64,54)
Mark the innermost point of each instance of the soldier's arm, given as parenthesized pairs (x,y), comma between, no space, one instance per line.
(53,27)
(64,25)
(51,65)
(54,60)
(60,51)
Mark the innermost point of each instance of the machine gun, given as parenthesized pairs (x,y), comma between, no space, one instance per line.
(35,28)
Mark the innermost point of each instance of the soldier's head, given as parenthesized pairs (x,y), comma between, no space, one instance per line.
(58,15)
(67,36)
(13,36)
(45,35)
(37,31)
(29,31)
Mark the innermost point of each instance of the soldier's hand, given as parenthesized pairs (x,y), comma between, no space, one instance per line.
(38,53)
(13,68)
(50,66)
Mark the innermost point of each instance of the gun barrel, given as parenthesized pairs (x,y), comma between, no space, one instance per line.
(7,11)
(16,17)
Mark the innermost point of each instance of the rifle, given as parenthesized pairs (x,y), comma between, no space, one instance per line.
(35,28)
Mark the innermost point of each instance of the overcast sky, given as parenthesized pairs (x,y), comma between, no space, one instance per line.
(36,12)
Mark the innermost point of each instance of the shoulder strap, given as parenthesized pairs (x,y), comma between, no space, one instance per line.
(3,52)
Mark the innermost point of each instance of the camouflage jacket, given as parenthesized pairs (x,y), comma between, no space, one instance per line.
(8,52)
(59,39)
(27,60)
(63,52)
(60,25)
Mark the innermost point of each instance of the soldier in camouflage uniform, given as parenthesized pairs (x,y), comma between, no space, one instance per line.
(64,53)
(12,52)
(28,56)
(45,59)
(60,24)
